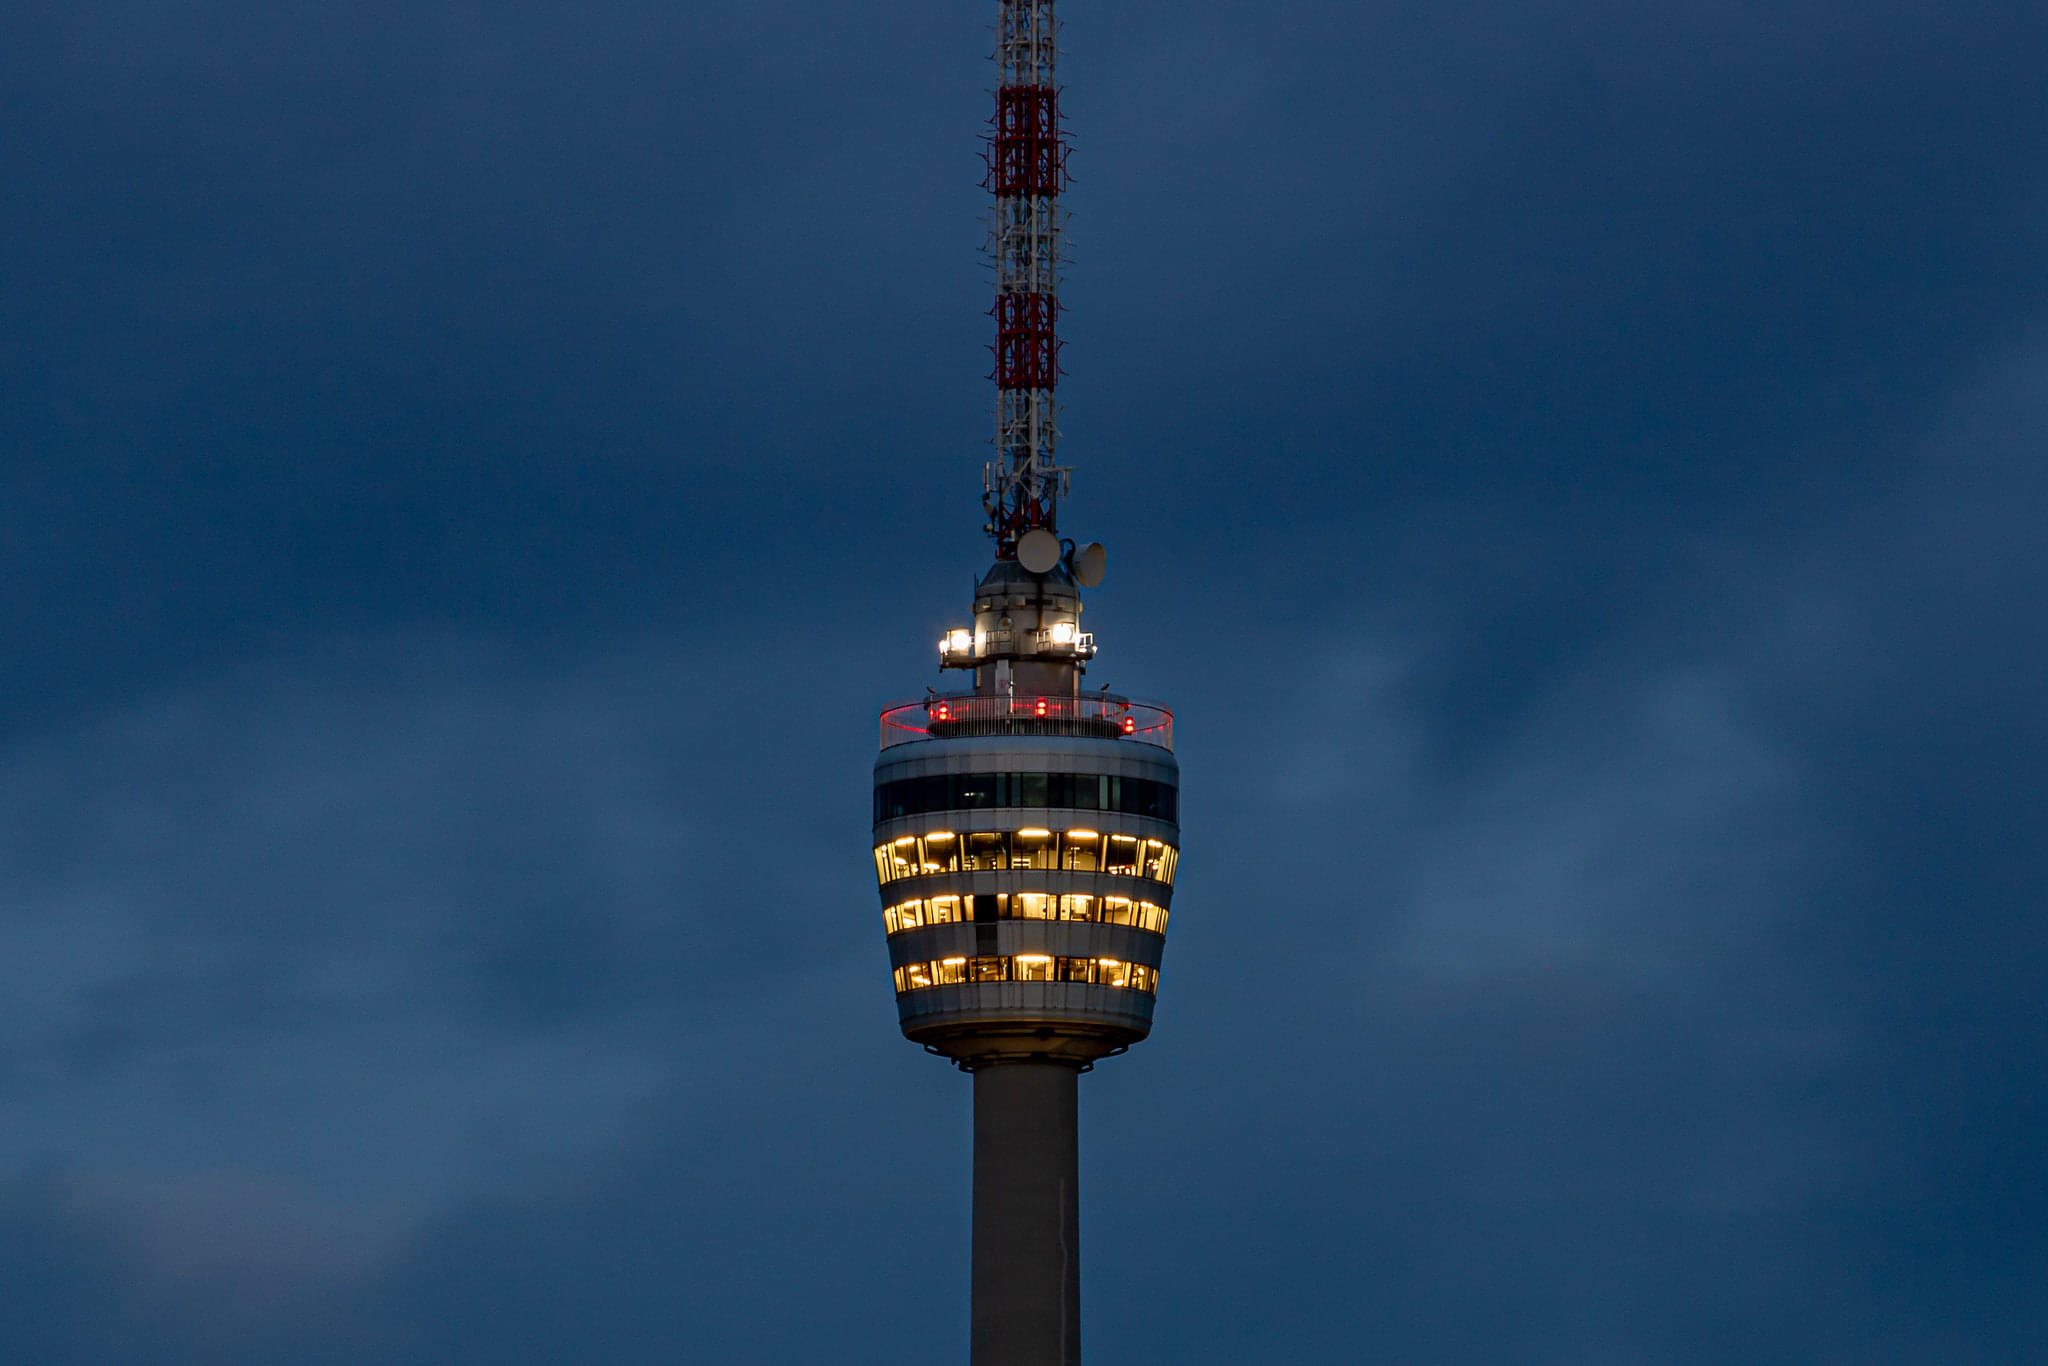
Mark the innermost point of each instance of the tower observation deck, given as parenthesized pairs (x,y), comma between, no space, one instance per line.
(1026,830)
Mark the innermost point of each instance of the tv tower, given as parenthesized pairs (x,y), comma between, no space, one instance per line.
(1026,832)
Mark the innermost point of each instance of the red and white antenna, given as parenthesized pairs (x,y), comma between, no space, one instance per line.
(1027,169)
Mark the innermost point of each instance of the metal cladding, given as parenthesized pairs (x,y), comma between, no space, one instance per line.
(1027,170)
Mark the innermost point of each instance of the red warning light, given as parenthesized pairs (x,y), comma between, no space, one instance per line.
(1130,725)
(1041,706)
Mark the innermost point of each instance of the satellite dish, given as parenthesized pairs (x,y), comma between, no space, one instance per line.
(1038,550)
(1089,564)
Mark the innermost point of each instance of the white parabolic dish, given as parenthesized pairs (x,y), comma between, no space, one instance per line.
(1089,564)
(1038,550)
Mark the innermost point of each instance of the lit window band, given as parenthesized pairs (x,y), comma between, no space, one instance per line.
(991,851)
(1027,967)
(918,912)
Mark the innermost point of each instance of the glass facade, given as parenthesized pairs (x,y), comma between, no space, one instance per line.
(1026,967)
(979,791)
(952,910)
(1071,851)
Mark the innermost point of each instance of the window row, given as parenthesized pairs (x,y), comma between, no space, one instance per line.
(976,791)
(953,910)
(1026,967)
(1075,851)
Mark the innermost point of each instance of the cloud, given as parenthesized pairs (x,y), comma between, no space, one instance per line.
(380,930)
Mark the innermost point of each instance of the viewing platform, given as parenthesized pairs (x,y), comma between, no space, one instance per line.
(1095,716)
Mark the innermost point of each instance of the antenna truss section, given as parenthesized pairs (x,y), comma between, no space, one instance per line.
(1027,170)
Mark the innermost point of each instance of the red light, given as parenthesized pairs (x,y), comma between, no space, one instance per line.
(1041,706)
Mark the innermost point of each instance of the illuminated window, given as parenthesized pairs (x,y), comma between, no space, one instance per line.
(987,852)
(1034,967)
(988,969)
(1036,906)
(1081,851)
(1034,849)
(949,971)
(945,910)
(892,861)
(1120,857)
(1077,907)
(939,853)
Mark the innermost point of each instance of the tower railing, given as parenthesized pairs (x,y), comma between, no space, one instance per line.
(1100,716)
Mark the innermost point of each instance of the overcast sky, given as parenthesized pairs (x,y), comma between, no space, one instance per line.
(469,473)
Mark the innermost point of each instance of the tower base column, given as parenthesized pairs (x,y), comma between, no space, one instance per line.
(1027,1215)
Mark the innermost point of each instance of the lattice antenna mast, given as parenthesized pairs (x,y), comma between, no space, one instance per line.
(1027,169)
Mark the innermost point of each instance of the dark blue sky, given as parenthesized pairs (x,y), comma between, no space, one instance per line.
(470,472)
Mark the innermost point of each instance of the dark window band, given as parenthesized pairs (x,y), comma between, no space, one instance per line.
(988,791)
